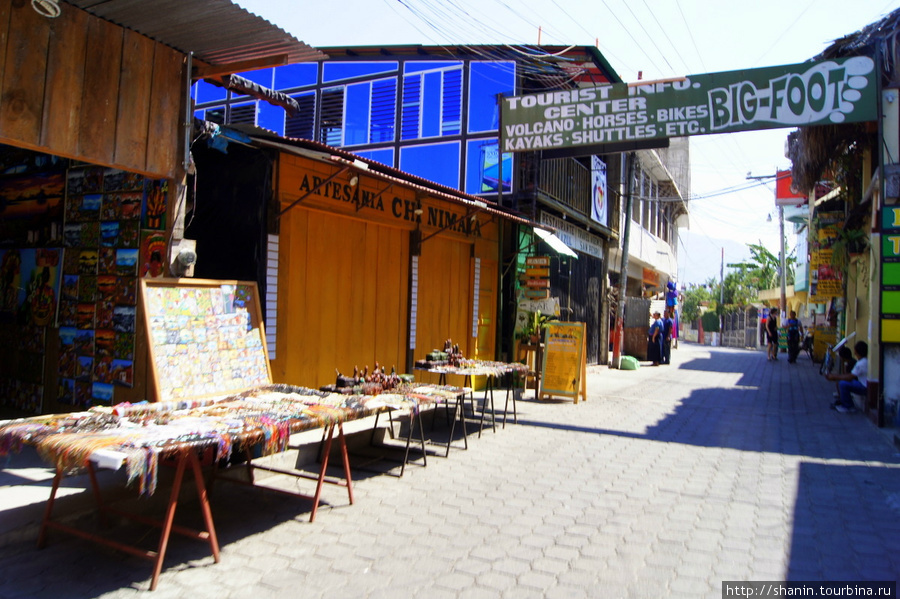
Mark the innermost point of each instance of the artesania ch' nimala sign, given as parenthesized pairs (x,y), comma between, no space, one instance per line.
(814,93)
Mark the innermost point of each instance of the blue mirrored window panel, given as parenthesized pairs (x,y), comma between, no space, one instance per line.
(429,65)
(432,104)
(270,117)
(263,77)
(204,92)
(384,156)
(296,75)
(338,71)
(482,170)
(356,111)
(436,162)
(383,111)
(486,81)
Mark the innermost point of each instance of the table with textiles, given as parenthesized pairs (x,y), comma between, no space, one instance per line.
(140,437)
(492,371)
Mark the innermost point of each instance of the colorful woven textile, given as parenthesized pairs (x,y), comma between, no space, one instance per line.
(138,435)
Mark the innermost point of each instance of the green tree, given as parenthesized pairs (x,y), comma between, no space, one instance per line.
(692,299)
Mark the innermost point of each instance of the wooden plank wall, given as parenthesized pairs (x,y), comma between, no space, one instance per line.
(83,88)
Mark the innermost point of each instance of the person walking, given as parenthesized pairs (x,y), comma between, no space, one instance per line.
(772,336)
(668,327)
(794,333)
(654,340)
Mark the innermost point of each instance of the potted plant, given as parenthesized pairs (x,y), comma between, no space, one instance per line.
(532,332)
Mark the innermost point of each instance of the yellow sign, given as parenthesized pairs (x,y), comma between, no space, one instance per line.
(563,369)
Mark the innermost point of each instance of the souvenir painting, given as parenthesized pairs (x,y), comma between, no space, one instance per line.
(106,286)
(66,393)
(126,291)
(87,288)
(93,179)
(110,208)
(69,287)
(83,393)
(124,346)
(103,369)
(123,319)
(84,368)
(153,252)
(104,342)
(84,317)
(72,235)
(68,313)
(102,394)
(113,179)
(129,234)
(106,261)
(130,205)
(90,234)
(109,234)
(87,262)
(75,182)
(155,205)
(84,342)
(89,207)
(123,373)
(103,314)
(126,262)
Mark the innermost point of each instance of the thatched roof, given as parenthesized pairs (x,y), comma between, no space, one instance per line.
(812,149)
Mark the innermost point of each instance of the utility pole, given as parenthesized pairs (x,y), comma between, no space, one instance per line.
(781,259)
(619,332)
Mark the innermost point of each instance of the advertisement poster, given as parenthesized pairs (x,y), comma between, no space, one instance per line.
(563,368)
(598,191)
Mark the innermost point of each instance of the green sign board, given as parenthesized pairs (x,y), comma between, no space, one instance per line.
(813,93)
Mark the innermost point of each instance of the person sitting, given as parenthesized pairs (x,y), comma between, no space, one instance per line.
(847,362)
(855,381)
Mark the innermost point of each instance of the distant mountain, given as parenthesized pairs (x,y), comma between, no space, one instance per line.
(700,257)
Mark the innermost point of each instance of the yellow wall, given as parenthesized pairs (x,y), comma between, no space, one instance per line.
(344,272)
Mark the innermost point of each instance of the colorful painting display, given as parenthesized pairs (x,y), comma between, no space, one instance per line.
(205,339)
(105,248)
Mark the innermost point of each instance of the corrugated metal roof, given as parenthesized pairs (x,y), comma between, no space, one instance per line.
(216,31)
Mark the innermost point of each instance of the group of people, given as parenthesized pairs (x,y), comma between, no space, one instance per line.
(794,336)
(659,338)
(854,371)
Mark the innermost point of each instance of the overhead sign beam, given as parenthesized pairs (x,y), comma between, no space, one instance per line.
(813,93)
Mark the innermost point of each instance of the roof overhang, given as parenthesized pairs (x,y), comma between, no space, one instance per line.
(223,37)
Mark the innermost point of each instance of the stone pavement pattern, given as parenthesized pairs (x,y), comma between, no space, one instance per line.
(666,482)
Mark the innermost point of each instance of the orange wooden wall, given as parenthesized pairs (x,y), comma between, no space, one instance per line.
(344,276)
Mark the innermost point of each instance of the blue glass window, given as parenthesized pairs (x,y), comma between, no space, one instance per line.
(486,80)
(384,156)
(302,124)
(432,104)
(336,71)
(263,77)
(384,109)
(356,111)
(481,167)
(412,105)
(207,92)
(296,75)
(429,65)
(270,117)
(435,162)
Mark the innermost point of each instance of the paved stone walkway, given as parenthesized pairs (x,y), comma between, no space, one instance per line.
(669,480)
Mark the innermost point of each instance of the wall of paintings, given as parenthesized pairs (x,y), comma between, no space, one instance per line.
(74,241)
(113,234)
(206,337)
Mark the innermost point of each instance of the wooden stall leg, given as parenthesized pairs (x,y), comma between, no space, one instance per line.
(204,506)
(42,536)
(346,457)
(167,523)
(95,487)
(326,453)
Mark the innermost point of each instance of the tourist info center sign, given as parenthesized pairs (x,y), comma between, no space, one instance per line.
(814,93)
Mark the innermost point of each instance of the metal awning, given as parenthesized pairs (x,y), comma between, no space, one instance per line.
(218,32)
(555,242)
